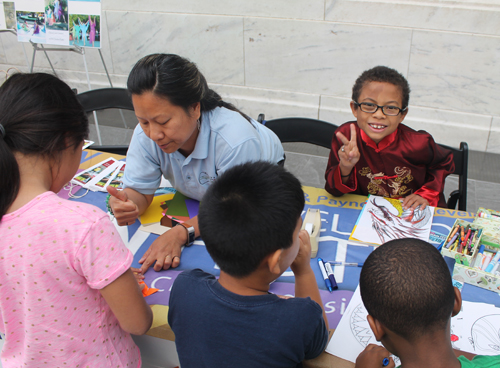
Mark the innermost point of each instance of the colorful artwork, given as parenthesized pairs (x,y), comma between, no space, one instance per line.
(59,22)
(383,219)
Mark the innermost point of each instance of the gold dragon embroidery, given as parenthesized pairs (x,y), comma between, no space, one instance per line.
(388,186)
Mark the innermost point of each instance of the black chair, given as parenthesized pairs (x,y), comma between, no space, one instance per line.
(305,130)
(320,133)
(461,159)
(106,98)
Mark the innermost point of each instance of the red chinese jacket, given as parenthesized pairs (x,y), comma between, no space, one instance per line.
(403,163)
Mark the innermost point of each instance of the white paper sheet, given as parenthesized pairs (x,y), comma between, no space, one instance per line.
(476,329)
(383,219)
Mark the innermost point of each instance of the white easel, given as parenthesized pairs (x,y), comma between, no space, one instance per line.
(81,51)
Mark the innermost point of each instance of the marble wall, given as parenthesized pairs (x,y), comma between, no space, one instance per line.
(300,58)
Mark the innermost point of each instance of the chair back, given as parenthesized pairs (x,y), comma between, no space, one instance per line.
(107,98)
(313,131)
(461,159)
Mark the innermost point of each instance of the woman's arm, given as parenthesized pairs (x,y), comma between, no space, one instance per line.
(166,250)
(128,204)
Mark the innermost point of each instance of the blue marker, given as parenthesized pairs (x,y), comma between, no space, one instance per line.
(385,362)
(325,276)
(331,276)
(493,262)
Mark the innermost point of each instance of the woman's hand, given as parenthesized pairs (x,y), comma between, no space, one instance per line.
(165,250)
(124,210)
(348,152)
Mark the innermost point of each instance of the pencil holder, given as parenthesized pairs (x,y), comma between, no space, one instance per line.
(489,220)
(473,276)
(462,245)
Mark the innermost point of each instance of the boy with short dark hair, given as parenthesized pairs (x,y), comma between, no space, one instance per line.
(250,220)
(407,290)
(379,155)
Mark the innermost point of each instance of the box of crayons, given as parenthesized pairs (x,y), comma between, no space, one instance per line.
(489,220)
(484,271)
(462,242)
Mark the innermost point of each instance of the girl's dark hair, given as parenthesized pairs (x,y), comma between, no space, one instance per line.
(177,79)
(40,115)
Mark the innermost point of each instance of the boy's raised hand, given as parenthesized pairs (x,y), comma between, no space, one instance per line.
(373,357)
(124,210)
(303,259)
(348,152)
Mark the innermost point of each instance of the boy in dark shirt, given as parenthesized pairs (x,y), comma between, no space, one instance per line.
(250,220)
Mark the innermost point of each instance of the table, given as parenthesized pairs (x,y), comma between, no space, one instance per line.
(338,218)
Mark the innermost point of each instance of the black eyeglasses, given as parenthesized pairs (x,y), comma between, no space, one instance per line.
(371,108)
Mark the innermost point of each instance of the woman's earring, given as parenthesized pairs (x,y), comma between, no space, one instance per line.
(199,123)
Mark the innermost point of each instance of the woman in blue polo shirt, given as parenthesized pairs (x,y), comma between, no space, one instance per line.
(187,134)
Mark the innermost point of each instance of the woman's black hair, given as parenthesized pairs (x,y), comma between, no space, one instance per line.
(178,80)
(40,116)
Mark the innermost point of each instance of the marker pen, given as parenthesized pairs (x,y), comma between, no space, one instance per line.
(486,260)
(341,263)
(479,257)
(493,262)
(325,276)
(331,276)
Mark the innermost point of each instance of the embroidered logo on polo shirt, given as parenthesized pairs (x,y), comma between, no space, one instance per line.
(205,178)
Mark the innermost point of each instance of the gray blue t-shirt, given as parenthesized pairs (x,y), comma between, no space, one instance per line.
(226,139)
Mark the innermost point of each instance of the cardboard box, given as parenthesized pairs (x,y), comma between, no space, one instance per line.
(466,259)
(489,220)
(476,277)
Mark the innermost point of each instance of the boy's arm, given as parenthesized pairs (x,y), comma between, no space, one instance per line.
(374,356)
(340,172)
(440,166)
(305,281)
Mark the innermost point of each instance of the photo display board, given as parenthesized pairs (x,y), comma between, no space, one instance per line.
(59,22)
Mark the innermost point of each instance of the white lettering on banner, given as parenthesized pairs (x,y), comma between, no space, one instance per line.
(335,223)
(153,284)
(330,308)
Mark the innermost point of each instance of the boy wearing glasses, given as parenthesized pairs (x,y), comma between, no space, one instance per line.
(381,156)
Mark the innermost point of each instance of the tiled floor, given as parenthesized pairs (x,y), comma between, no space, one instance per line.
(308,162)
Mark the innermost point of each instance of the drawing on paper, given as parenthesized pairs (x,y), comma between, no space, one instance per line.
(485,334)
(360,327)
(384,219)
(361,330)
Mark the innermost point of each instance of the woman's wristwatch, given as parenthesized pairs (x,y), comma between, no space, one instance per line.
(190,234)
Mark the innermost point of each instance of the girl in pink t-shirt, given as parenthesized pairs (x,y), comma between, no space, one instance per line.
(67,295)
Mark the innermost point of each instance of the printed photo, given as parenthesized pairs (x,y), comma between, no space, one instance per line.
(31,26)
(85,30)
(56,13)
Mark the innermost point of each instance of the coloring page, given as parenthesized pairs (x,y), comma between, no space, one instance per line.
(353,334)
(383,219)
